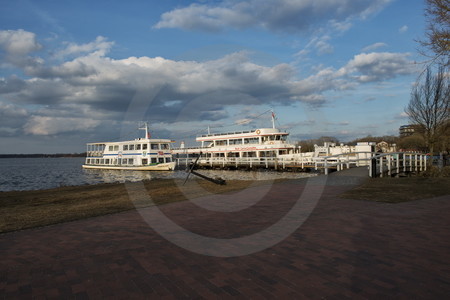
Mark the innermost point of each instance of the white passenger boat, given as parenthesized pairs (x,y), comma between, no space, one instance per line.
(257,144)
(142,154)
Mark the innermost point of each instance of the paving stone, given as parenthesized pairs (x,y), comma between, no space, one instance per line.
(344,249)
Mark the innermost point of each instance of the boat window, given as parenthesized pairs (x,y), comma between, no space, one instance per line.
(138,147)
(164,146)
(131,161)
(131,147)
(144,146)
(251,140)
(154,146)
(116,147)
(168,159)
(160,159)
(125,147)
(153,160)
(221,143)
(106,161)
(235,142)
(144,161)
(111,148)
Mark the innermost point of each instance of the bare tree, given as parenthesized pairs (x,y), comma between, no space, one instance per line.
(429,105)
(438,31)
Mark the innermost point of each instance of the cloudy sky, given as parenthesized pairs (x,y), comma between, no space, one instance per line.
(81,71)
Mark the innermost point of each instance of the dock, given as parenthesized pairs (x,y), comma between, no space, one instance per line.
(378,164)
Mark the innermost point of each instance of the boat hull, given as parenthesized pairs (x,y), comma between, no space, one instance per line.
(159,167)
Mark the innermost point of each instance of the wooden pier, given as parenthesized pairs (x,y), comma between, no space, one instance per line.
(378,164)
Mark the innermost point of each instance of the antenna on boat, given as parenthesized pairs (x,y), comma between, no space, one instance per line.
(145,127)
(273,119)
(209,132)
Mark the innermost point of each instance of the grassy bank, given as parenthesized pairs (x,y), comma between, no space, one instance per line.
(396,190)
(28,209)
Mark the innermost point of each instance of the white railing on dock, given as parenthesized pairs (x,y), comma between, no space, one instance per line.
(344,160)
(398,162)
(378,165)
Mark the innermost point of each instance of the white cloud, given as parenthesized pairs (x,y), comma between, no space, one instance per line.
(368,67)
(79,94)
(318,44)
(373,47)
(8,110)
(278,15)
(403,29)
(18,42)
(402,115)
(12,118)
(100,47)
(322,45)
(41,125)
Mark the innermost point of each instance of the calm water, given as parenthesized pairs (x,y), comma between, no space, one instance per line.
(17,174)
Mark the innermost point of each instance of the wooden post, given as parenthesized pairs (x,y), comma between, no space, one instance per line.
(373,167)
(416,163)
(381,166)
(389,165)
(397,163)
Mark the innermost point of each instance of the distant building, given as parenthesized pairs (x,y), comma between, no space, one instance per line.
(385,147)
(407,130)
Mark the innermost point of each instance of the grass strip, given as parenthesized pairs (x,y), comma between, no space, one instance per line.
(397,190)
(28,209)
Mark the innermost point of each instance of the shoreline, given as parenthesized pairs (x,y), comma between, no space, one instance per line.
(37,208)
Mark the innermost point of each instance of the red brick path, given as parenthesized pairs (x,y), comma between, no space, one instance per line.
(345,249)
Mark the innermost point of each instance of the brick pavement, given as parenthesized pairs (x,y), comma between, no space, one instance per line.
(344,249)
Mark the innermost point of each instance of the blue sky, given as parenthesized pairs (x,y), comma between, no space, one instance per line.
(73,72)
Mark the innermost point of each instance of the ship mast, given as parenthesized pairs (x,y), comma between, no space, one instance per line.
(145,127)
(273,120)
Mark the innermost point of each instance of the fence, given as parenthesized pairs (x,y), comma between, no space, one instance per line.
(398,162)
(379,165)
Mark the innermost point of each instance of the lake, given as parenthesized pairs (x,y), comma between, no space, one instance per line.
(18,174)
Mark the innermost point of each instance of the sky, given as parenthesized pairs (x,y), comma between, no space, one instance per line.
(73,72)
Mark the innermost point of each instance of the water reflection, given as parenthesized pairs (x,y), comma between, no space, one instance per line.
(110,176)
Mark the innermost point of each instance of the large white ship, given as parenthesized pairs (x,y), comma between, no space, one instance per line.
(142,154)
(257,144)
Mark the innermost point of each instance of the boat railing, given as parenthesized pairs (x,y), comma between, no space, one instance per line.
(225,133)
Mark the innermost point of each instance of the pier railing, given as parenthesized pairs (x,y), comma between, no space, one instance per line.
(379,165)
(388,164)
